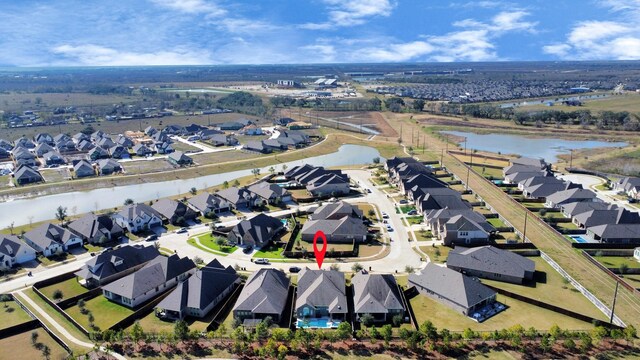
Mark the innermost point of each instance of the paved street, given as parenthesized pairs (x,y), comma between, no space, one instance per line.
(590,182)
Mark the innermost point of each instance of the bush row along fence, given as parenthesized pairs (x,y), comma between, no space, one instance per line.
(553,308)
(611,273)
(599,304)
(45,327)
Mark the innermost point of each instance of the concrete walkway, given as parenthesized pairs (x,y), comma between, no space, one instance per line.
(41,314)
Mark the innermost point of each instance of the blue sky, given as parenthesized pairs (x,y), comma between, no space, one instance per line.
(200,32)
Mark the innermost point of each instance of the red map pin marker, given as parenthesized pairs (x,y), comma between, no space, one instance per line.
(320,253)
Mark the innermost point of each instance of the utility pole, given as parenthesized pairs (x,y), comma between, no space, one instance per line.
(424,143)
(613,306)
(467,182)
(441,157)
(400,131)
(571,159)
(465,146)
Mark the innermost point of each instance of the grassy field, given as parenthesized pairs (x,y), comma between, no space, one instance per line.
(19,347)
(105,313)
(151,323)
(432,250)
(180,146)
(496,222)
(616,261)
(517,313)
(627,102)
(12,314)
(69,288)
(551,288)
(423,235)
(55,175)
(209,241)
(146,166)
(272,251)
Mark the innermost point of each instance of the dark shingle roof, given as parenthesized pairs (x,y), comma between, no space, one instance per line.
(265,292)
(322,288)
(375,293)
(106,263)
(47,234)
(491,260)
(130,212)
(259,229)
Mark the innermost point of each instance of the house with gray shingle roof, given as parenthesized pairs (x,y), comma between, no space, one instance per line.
(613,215)
(328,185)
(336,211)
(560,198)
(4,144)
(615,233)
(207,203)
(118,152)
(154,278)
(377,295)
(108,166)
(239,198)
(50,239)
(460,230)
(270,193)
(43,148)
(628,185)
(321,294)
(264,295)
(96,229)
(345,230)
(420,181)
(257,231)
(53,157)
(451,288)
(573,209)
(97,153)
(138,217)
(200,293)
(256,146)
(105,142)
(13,251)
(174,212)
(179,158)
(435,219)
(489,262)
(83,168)
(22,156)
(27,175)
(533,162)
(223,140)
(113,264)
(439,198)
(142,150)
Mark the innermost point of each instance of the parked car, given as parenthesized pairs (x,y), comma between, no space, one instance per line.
(262,261)
(369,191)
(151,237)
(403,201)
(389,228)
(247,250)
(294,269)
(385,215)
(413,212)
(182,230)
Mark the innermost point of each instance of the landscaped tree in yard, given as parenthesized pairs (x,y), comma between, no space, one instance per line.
(356,267)
(386,332)
(623,268)
(34,337)
(366,319)
(255,172)
(236,183)
(272,170)
(57,295)
(193,191)
(181,330)
(225,184)
(344,331)
(371,212)
(137,333)
(128,201)
(4,298)
(61,214)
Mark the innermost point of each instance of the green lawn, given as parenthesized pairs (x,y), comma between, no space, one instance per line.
(55,260)
(12,314)
(19,347)
(406,208)
(271,251)
(414,220)
(151,323)
(551,288)
(431,251)
(533,205)
(517,313)
(105,312)
(209,241)
(69,288)
(487,172)
(496,222)
(422,235)
(616,261)
(567,225)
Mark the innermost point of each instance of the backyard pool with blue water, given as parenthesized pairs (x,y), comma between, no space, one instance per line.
(317,323)
(579,239)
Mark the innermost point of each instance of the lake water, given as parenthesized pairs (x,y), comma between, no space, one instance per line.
(43,208)
(547,149)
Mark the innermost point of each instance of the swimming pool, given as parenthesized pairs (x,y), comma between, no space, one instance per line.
(322,323)
(579,239)
(284,222)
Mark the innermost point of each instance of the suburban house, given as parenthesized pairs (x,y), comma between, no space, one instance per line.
(24,142)
(257,146)
(436,219)
(50,239)
(451,288)
(206,134)
(615,233)
(154,278)
(630,186)
(614,215)
(460,230)
(119,152)
(96,229)
(53,158)
(232,125)
(283,121)
(113,264)
(174,212)
(264,295)
(257,231)
(555,201)
(572,209)
(142,150)
(25,174)
(66,146)
(524,174)
(161,136)
(124,141)
(533,189)
(489,262)
(108,167)
(239,198)
(292,139)
(321,294)
(179,158)
(43,138)
(200,293)
(83,168)
(85,145)
(420,181)
(251,129)
(13,251)
(377,295)
(539,164)
(138,217)
(207,203)
(406,170)
(105,142)
(328,185)
(79,137)
(439,198)
(270,193)
(22,156)
(274,144)
(223,140)
(98,153)
(164,147)
(4,144)
(341,223)
(636,253)
(43,148)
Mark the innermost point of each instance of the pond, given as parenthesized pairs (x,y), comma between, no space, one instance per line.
(547,149)
(22,211)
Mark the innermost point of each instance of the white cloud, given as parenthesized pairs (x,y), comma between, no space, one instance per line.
(600,40)
(352,13)
(474,42)
(192,6)
(320,52)
(95,55)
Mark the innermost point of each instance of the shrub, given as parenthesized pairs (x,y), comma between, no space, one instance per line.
(397,320)
(58,295)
